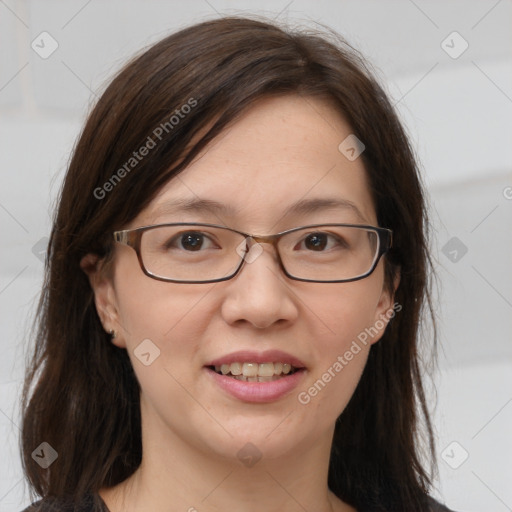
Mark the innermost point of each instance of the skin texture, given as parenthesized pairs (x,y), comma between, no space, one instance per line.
(282,150)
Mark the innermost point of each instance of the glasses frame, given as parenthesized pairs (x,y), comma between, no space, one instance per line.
(133,237)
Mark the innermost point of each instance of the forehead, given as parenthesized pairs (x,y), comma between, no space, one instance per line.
(279,162)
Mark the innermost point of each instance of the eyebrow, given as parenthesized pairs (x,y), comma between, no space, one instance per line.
(301,207)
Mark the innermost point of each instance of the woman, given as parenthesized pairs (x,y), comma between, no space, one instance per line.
(183,364)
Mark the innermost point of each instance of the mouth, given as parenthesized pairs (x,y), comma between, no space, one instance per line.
(255,372)
(256,376)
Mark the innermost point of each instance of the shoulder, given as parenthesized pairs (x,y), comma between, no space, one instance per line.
(435,506)
(90,503)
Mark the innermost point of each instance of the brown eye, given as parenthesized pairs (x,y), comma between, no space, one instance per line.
(190,241)
(316,241)
(320,242)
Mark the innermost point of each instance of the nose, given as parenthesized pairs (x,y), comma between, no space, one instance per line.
(259,294)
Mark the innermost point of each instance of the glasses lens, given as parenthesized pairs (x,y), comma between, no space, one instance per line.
(203,253)
(329,253)
(190,253)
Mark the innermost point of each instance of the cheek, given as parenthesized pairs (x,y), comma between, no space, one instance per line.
(344,313)
(342,344)
(163,323)
(154,309)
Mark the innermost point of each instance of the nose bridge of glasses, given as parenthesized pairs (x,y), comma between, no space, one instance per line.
(271,240)
(254,247)
(265,239)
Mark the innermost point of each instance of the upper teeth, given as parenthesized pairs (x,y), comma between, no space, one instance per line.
(254,369)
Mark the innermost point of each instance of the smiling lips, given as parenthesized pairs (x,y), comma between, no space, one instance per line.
(250,364)
(257,376)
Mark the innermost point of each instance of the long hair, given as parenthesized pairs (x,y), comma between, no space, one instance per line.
(81,395)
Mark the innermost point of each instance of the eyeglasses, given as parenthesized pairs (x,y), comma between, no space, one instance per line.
(208,253)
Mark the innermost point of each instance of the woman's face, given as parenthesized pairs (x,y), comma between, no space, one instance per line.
(282,151)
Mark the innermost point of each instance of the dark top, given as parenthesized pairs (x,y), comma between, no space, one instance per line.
(94,503)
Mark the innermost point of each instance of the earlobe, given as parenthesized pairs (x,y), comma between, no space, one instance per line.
(104,296)
(386,308)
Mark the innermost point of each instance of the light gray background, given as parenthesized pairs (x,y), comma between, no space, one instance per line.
(457,110)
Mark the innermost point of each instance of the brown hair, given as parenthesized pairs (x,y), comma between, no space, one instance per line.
(81,394)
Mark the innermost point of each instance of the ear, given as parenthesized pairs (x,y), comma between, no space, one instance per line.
(101,281)
(386,309)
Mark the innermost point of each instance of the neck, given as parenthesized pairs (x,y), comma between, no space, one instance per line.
(175,475)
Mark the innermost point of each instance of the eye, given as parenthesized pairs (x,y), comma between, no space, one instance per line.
(320,240)
(189,241)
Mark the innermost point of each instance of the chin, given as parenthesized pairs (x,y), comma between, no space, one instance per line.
(255,441)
